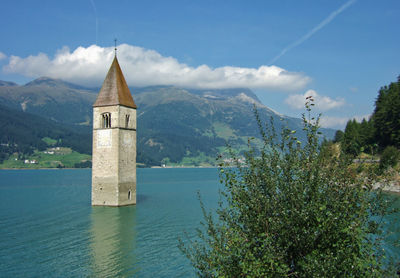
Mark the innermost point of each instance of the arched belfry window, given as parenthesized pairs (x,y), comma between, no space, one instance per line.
(106,120)
(127,121)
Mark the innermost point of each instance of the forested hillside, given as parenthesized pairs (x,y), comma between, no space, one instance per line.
(379,136)
(24,133)
(378,132)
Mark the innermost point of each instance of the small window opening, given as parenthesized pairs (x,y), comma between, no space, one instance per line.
(129,195)
(126,121)
(106,120)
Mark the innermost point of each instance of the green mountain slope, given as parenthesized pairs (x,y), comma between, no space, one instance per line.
(175,126)
(23,133)
(174,123)
(7,83)
(51,98)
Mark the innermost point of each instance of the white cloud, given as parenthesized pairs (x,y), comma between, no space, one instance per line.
(339,122)
(333,122)
(143,67)
(322,103)
(2,56)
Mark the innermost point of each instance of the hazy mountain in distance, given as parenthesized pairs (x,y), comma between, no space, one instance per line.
(55,83)
(7,84)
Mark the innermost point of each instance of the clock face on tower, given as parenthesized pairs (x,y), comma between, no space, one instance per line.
(104,138)
(127,139)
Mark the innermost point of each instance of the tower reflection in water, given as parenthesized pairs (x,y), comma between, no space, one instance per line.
(113,241)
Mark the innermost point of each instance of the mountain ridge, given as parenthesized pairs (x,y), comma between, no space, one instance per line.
(175,125)
(7,83)
(54,82)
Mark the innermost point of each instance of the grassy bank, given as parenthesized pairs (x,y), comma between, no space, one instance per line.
(51,158)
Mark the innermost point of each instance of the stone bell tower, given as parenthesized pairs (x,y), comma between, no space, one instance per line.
(114,142)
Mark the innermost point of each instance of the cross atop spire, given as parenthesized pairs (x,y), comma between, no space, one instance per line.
(115,46)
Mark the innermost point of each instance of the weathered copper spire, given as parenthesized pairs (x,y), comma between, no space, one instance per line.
(114,91)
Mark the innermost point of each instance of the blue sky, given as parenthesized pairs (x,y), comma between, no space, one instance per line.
(341,52)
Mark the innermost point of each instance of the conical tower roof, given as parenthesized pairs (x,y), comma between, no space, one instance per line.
(114,91)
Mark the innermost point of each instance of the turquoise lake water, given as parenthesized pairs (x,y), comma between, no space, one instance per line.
(49,229)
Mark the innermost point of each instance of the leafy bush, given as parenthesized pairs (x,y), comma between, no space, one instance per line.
(291,212)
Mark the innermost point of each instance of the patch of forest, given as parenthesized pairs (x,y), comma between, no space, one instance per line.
(23,133)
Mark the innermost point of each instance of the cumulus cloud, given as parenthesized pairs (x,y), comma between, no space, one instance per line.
(144,67)
(333,122)
(339,122)
(322,103)
(2,56)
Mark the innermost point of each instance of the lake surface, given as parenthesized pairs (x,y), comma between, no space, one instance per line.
(49,229)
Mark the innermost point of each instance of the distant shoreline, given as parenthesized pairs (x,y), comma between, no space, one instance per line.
(42,168)
(175,167)
(392,187)
(151,167)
